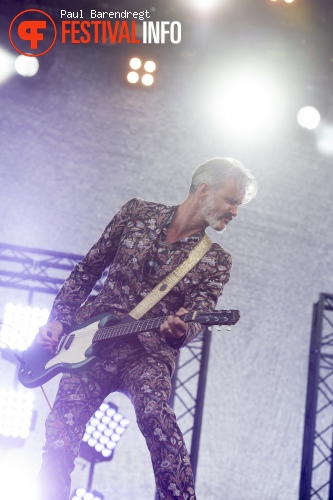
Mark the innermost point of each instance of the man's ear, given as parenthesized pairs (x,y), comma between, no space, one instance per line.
(203,191)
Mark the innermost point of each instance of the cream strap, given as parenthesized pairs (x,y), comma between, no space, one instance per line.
(164,287)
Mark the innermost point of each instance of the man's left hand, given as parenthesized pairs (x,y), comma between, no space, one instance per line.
(173,327)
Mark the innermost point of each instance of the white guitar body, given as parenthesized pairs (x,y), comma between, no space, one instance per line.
(78,348)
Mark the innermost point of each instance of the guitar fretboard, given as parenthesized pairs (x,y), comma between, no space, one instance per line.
(108,332)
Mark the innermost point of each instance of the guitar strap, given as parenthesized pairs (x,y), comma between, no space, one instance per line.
(164,287)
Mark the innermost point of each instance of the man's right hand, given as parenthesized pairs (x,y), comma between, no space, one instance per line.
(49,335)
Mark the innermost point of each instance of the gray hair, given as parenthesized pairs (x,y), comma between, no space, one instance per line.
(215,171)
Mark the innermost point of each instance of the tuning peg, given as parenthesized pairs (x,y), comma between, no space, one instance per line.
(228,328)
(218,328)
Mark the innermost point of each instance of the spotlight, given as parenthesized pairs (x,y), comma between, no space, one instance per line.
(150,66)
(147,80)
(133,77)
(27,66)
(21,324)
(312,104)
(83,494)
(16,413)
(248,104)
(325,140)
(6,65)
(141,71)
(103,432)
(12,485)
(135,63)
(308,117)
(205,5)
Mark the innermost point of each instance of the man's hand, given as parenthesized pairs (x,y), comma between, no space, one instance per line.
(173,327)
(49,335)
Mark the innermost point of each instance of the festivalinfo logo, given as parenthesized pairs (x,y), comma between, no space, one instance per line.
(33,32)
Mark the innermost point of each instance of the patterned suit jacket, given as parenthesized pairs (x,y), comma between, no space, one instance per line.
(133,247)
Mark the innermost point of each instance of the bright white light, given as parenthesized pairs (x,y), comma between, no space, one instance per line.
(149,66)
(21,325)
(308,117)
(15,413)
(205,5)
(147,80)
(110,412)
(325,141)
(27,66)
(248,104)
(12,487)
(99,435)
(289,1)
(82,493)
(135,63)
(133,77)
(7,67)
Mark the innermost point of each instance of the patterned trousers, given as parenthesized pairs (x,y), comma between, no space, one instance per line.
(146,379)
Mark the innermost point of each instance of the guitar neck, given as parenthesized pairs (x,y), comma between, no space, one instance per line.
(132,327)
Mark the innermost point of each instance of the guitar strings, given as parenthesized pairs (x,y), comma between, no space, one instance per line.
(125,328)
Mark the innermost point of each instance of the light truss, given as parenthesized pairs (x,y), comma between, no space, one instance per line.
(35,270)
(44,271)
(317,471)
(189,389)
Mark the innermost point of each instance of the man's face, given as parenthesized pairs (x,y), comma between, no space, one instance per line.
(221,205)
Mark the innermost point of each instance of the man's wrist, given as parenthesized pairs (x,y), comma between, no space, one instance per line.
(65,328)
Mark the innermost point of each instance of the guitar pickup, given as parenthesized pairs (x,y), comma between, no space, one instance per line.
(69,341)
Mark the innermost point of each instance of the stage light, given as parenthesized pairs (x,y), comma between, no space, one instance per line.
(27,66)
(308,117)
(289,1)
(147,79)
(103,432)
(7,67)
(150,66)
(16,413)
(142,73)
(135,63)
(205,5)
(21,324)
(18,480)
(325,140)
(83,494)
(248,104)
(133,77)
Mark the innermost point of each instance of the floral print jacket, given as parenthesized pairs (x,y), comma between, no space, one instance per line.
(133,247)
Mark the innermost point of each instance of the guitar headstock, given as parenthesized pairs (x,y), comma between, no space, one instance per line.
(222,317)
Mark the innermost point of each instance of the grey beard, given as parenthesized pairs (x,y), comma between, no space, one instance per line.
(212,220)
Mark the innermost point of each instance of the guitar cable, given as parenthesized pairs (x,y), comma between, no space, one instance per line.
(17,356)
(20,359)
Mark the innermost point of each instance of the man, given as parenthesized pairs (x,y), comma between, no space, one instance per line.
(142,244)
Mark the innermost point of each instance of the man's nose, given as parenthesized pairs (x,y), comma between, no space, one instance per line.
(234,210)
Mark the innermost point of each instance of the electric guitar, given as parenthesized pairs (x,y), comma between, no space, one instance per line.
(77,349)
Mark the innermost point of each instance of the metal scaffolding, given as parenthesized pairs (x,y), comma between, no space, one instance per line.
(44,271)
(317,471)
